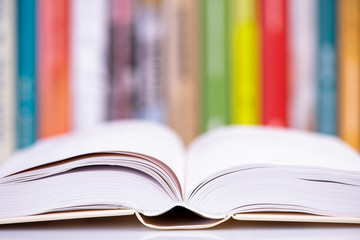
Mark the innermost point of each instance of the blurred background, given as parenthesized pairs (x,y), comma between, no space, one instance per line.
(68,65)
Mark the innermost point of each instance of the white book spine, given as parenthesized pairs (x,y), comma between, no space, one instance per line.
(303,60)
(149,80)
(7,78)
(89,64)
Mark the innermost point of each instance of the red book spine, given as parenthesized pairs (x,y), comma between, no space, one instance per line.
(53,70)
(274,62)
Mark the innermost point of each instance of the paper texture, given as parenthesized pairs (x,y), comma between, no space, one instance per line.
(229,147)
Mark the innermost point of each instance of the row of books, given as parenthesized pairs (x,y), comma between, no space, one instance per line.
(67,65)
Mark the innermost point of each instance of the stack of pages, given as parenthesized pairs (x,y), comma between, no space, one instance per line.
(143,168)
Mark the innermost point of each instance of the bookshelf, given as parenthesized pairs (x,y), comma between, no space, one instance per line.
(193,65)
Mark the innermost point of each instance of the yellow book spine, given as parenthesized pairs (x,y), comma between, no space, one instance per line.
(244,62)
(349,72)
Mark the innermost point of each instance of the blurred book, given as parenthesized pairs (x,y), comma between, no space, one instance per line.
(89,70)
(121,58)
(302,64)
(274,44)
(182,22)
(194,65)
(149,85)
(26,129)
(244,62)
(7,77)
(215,71)
(53,68)
(349,72)
(327,79)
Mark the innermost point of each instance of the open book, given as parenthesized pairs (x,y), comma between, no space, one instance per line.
(142,168)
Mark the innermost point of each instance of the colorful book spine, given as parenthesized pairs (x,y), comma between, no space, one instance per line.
(302,64)
(327,80)
(171,64)
(26,128)
(89,41)
(53,68)
(274,21)
(121,22)
(349,71)
(244,62)
(215,64)
(149,80)
(7,77)
(182,66)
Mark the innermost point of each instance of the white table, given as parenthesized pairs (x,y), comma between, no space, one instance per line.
(129,228)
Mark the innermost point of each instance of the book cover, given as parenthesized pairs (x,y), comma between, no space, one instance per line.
(302,64)
(349,71)
(26,129)
(327,79)
(7,77)
(182,55)
(53,68)
(215,73)
(274,69)
(121,58)
(149,82)
(244,62)
(89,65)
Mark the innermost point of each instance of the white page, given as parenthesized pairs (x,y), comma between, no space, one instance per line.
(232,146)
(87,189)
(137,136)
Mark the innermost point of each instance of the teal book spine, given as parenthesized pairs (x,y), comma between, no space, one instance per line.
(26,73)
(215,64)
(327,70)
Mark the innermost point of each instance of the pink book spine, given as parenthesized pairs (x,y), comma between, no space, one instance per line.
(120,62)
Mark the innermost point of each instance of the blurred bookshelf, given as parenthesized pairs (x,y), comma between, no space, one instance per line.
(68,65)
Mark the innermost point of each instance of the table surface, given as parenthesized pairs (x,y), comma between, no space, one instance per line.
(128,227)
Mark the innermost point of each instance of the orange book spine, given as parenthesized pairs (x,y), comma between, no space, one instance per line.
(53,68)
(349,72)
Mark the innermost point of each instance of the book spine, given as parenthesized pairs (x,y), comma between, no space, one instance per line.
(244,62)
(182,66)
(7,77)
(89,85)
(215,64)
(274,62)
(121,23)
(149,80)
(302,59)
(53,68)
(26,74)
(349,72)
(327,79)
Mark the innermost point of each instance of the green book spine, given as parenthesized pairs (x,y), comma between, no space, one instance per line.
(215,64)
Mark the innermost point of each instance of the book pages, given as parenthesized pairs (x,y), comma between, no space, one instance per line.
(229,147)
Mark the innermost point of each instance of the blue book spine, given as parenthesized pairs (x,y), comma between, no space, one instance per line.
(26,73)
(326,70)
